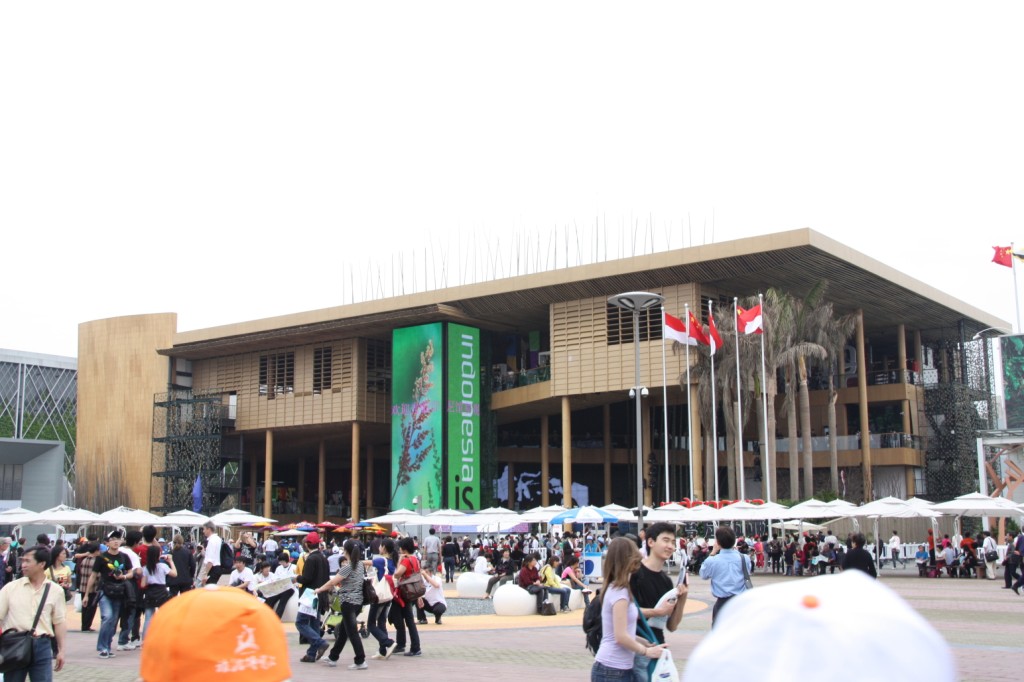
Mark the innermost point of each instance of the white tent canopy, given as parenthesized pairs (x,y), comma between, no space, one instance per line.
(19,516)
(399,516)
(976,504)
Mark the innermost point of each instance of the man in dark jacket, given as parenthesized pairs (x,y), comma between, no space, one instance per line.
(315,572)
(858,557)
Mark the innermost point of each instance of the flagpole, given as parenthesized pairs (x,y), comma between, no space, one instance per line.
(714,404)
(1016,296)
(689,407)
(739,402)
(664,410)
(764,410)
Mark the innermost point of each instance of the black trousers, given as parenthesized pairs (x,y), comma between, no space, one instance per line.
(175,590)
(349,631)
(89,611)
(719,603)
(437,609)
(279,601)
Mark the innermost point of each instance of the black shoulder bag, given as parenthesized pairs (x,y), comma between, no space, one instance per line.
(17,649)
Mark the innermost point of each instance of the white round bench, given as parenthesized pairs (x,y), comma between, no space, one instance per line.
(512,600)
(575,599)
(472,585)
(291,610)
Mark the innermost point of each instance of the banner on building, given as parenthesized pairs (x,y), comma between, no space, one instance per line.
(1012,348)
(463,417)
(416,417)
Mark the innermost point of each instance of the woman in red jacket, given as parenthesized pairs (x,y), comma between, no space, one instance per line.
(529,579)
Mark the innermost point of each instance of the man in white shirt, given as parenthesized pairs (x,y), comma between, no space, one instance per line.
(895,550)
(242,577)
(432,550)
(212,570)
(270,548)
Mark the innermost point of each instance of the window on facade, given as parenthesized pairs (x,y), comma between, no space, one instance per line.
(277,374)
(620,325)
(321,370)
(378,366)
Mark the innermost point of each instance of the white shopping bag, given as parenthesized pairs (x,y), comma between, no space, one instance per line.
(665,670)
(78,609)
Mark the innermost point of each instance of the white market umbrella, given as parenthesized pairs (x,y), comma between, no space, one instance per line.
(18,516)
(673,512)
(810,509)
(295,533)
(797,525)
(238,517)
(398,516)
(541,514)
(976,504)
(444,517)
(64,515)
(126,516)
(182,518)
(492,520)
(745,511)
(588,514)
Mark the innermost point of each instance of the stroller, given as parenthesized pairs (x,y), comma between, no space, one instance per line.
(332,621)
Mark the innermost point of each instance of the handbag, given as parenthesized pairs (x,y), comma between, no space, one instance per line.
(548,609)
(991,555)
(17,648)
(381,587)
(747,582)
(412,587)
(369,593)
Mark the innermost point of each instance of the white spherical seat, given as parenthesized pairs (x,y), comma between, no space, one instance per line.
(472,585)
(576,599)
(512,600)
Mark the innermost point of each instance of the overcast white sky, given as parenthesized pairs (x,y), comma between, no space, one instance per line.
(234,160)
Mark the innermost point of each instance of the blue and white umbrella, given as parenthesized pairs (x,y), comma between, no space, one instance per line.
(588,514)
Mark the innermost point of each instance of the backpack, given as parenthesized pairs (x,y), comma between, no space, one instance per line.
(592,624)
(227,554)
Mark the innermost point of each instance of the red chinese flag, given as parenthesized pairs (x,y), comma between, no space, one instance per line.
(1002,256)
(696,331)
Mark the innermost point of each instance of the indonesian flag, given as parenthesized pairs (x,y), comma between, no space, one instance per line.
(715,341)
(749,321)
(1002,256)
(696,331)
(675,329)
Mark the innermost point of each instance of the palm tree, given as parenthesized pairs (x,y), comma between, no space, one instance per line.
(832,336)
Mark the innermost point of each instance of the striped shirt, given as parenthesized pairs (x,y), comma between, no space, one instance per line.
(352,582)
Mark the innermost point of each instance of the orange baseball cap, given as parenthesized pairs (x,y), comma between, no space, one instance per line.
(215,633)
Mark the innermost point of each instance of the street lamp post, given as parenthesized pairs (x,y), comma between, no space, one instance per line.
(635,302)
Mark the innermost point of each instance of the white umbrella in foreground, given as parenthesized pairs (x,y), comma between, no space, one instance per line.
(18,516)
(64,515)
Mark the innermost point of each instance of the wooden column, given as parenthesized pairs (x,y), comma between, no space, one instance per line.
(698,449)
(862,399)
(511,483)
(355,472)
(545,462)
(901,352)
(606,425)
(646,450)
(918,355)
(369,475)
(268,474)
(911,488)
(302,486)
(321,481)
(566,453)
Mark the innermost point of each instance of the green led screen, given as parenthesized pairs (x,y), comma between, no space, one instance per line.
(416,417)
(463,417)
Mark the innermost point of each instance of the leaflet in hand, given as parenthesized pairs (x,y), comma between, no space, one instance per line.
(661,622)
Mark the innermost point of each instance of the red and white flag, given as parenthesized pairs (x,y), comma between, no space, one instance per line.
(714,340)
(675,329)
(749,321)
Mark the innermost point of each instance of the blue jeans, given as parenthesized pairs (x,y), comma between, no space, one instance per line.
(377,625)
(599,672)
(110,613)
(309,627)
(564,594)
(41,669)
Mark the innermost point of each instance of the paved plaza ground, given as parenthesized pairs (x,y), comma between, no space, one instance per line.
(983,623)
